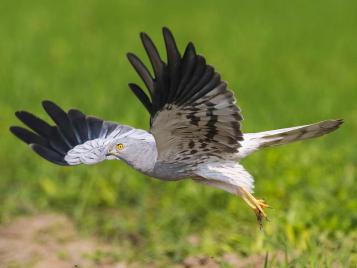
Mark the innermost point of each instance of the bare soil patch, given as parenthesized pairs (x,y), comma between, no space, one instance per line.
(51,241)
(48,241)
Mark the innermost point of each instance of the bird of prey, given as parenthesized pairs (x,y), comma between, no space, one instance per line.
(195,127)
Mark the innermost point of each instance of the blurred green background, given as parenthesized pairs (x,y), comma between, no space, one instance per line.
(289,63)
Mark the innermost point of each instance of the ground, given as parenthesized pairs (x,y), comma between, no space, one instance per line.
(51,240)
(288,63)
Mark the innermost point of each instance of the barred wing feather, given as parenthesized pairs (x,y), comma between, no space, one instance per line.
(193,113)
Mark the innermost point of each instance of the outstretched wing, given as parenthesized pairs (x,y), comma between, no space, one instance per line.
(74,139)
(193,114)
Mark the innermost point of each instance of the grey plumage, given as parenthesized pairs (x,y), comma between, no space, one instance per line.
(195,128)
(72,130)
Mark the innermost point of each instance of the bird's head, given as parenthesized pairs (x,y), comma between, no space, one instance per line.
(119,149)
(137,149)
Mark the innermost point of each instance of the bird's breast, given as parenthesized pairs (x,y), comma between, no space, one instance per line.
(170,171)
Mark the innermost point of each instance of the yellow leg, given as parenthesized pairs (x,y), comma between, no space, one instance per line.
(258,205)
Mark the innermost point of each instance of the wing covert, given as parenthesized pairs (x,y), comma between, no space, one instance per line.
(193,113)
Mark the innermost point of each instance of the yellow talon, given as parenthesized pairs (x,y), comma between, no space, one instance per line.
(263,204)
(258,205)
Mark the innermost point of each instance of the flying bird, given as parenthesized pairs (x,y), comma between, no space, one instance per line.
(195,127)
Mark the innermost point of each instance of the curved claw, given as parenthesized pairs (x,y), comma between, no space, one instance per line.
(258,205)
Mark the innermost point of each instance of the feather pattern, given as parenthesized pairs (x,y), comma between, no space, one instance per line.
(193,113)
(254,141)
(75,138)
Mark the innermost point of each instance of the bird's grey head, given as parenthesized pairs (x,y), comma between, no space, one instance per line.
(134,146)
(137,149)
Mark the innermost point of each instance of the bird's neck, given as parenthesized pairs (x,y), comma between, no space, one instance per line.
(144,157)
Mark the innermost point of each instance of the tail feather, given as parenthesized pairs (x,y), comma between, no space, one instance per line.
(254,141)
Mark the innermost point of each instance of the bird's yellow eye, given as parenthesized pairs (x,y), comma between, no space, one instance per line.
(120,146)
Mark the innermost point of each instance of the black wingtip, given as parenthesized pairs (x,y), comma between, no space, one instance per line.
(153,54)
(23,116)
(191,46)
(46,101)
(27,136)
(173,54)
(142,71)
(14,130)
(139,93)
(166,30)
(167,33)
(18,114)
(144,36)
(48,154)
(132,59)
(47,104)
(130,56)
(147,41)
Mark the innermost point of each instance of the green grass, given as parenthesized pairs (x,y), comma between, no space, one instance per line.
(289,63)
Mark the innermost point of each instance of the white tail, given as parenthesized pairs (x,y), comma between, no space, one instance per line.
(255,141)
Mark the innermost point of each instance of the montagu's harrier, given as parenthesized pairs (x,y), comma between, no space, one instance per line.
(195,130)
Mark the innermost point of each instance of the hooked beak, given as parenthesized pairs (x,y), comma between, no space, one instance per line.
(110,155)
(110,152)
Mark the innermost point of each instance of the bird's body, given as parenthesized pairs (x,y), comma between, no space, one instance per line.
(195,130)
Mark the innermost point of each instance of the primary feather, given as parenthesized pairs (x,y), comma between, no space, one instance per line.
(74,139)
(193,114)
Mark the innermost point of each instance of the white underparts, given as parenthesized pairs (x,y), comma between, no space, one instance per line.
(226,175)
